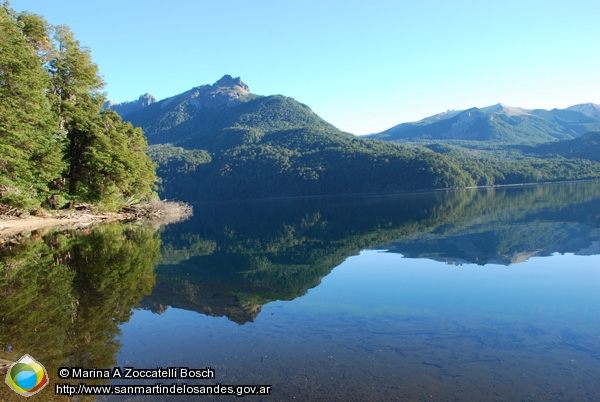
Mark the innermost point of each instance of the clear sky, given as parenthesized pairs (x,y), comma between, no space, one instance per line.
(364,66)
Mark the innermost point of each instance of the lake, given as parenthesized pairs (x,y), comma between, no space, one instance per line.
(470,295)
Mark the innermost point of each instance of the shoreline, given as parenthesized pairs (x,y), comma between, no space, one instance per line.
(14,229)
(386,194)
(164,212)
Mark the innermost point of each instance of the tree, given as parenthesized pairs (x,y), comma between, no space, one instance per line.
(76,100)
(37,32)
(106,158)
(120,166)
(30,142)
(54,135)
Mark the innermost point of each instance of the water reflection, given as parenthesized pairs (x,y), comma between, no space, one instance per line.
(402,326)
(64,295)
(231,259)
(521,223)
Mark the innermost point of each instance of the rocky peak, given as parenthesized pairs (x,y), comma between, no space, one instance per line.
(502,108)
(227,91)
(228,81)
(124,108)
(146,99)
(589,109)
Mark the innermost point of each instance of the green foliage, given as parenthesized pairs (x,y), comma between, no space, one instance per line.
(274,146)
(55,140)
(37,31)
(114,165)
(64,295)
(106,157)
(182,160)
(30,141)
(502,165)
(175,165)
(586,147)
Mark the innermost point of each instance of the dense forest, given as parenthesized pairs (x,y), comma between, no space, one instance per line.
(274,146)
(587,147)
(57,142)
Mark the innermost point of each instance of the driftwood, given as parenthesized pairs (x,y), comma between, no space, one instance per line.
(5,210)
(155,210)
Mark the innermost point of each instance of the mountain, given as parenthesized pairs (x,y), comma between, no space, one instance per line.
(589,109)
(221,115)
(222,142)
(125,108)
(499,123)
(227,91)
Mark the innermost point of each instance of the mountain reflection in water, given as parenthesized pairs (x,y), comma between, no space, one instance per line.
(406,329)
(230,259)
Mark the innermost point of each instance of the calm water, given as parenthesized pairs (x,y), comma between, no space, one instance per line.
(479,295)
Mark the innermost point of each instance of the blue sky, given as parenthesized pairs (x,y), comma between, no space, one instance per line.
(364,66)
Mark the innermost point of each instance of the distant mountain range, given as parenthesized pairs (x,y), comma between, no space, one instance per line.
(500,123)
(497,123)
(220,141)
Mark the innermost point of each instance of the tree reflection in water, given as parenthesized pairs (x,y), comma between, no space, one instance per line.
(64,295)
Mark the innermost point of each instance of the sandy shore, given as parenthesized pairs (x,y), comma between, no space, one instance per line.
(14,228)
(10,227)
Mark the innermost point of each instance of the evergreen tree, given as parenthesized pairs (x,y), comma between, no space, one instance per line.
(30,143)
(119,166)
(37,32)
(77,101)
(54,135)
(106,158)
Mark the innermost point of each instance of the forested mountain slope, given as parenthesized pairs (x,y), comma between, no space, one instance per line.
(221,142)
(587,147)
